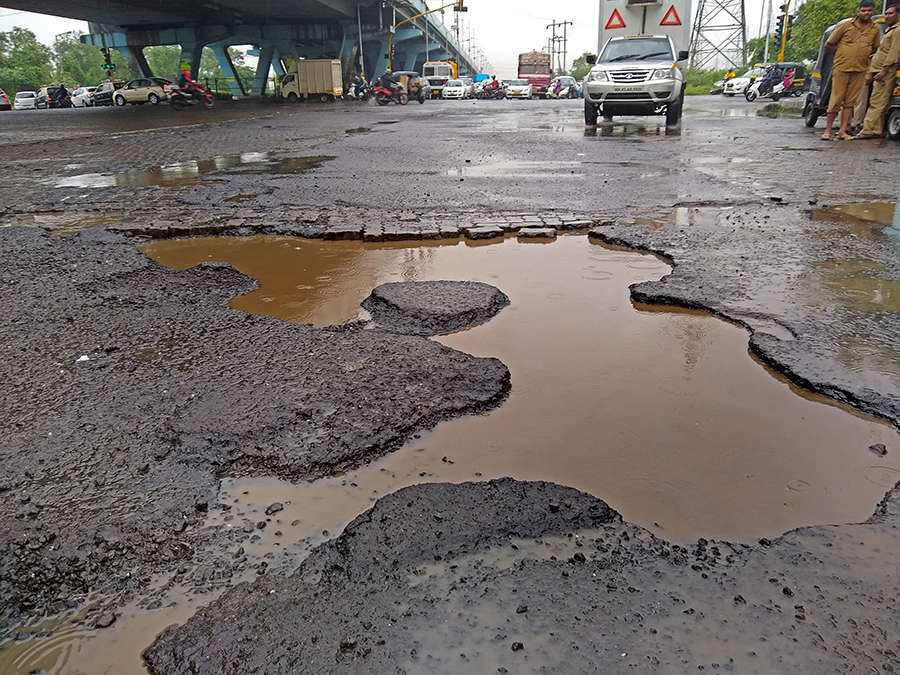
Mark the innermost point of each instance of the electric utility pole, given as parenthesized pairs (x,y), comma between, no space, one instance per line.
(552,43)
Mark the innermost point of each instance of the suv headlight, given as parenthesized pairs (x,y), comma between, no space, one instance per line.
(598,76)
(664,74)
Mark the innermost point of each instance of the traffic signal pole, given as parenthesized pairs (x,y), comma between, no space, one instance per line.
(457,6)
(768,28)
(785,28)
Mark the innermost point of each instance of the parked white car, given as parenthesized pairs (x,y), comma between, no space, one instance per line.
(455,89)
(24,100)
(81,97)
(519,89)
(470,86)
(737,85)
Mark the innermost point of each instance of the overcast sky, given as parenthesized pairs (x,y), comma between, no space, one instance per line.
(502,28)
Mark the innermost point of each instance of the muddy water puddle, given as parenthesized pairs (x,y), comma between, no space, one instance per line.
(864,219)
(69,646)
(662,414)
(192,172)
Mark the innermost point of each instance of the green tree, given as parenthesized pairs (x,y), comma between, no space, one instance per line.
(24,62)
(211,72)
(756,50)
(164,60)
(75,62)
(812,20)
(580,67)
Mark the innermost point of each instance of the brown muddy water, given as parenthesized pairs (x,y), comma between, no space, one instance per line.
(662,413)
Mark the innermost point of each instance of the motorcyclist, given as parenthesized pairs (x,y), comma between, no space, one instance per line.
(61,95)
(388,81)
(771,78)
(189,86)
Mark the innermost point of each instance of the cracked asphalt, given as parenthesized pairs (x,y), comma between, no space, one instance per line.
(132,389)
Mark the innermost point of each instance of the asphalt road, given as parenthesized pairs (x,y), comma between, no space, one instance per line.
(112,461)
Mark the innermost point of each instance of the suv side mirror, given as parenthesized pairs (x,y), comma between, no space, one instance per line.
(683,54)
(591,59)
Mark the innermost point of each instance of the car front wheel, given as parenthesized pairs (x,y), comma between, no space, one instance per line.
(119,100)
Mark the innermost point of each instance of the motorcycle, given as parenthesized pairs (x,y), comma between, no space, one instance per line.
(63,102)
(384,96)
(488,93)
(180,99)
(359,92)
(761,88)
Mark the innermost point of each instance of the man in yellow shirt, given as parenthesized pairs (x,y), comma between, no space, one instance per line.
(852,43)
(881,71)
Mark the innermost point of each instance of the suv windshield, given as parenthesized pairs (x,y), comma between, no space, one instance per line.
(25,94)
(635,50)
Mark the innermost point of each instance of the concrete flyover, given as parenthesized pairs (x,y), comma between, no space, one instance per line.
(355,31)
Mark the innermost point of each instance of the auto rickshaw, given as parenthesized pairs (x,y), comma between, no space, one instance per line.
(820,81)
(892,119)
(412,83)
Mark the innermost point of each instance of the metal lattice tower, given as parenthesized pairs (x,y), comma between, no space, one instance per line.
(719,38)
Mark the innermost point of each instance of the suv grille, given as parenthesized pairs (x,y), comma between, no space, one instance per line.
(629,76)
(631,96)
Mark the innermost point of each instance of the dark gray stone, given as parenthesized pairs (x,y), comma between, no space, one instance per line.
(446,587)
(433,307)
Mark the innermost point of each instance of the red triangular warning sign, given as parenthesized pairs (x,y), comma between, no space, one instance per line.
(615,20)
(671,18)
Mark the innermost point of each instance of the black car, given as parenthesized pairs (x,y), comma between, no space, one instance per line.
(103,94)
(4,101)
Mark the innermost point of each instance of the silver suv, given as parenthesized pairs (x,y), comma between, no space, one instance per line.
(635,76)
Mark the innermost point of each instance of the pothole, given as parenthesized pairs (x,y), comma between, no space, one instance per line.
(620,403)
(864,213)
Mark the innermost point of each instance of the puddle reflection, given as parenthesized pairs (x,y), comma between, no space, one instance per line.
(191,172)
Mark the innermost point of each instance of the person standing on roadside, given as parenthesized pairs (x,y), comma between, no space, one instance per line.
(852,43)
(881,74)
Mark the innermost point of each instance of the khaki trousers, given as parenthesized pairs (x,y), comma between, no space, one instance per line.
(845,88)
(878,102)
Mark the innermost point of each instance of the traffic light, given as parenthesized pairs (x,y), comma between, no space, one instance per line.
(108,66)
(790,24)
(779,25)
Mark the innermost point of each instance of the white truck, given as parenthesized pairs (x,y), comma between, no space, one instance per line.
(313,78)
(642,49)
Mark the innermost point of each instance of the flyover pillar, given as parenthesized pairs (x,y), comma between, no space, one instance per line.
(262,70)
(191,53)
(137,62)
(224,59)
(277,62)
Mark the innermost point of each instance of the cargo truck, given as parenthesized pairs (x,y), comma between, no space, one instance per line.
(437,73)
(642,52)
(535,67)
(313,78)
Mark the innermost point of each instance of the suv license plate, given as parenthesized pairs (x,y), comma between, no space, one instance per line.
(626,89)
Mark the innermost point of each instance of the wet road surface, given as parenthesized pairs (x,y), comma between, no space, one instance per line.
(680,400)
